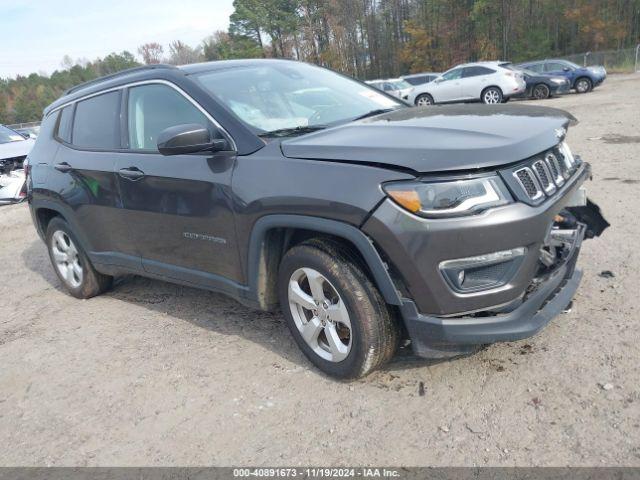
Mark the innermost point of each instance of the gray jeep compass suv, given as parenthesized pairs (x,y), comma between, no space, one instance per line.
(285,184)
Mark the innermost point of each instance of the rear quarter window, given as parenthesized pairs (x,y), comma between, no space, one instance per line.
(96,124)
(64,124)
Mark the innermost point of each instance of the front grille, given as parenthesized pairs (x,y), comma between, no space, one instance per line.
(541,176)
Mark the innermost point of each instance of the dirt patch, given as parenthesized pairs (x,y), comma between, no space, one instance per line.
(617,139)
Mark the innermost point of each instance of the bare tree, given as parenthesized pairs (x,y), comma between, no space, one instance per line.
(180,53)
(151,53)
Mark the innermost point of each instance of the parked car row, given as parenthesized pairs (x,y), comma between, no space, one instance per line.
(494,82)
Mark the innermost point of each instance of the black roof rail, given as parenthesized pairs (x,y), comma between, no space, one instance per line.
(118,74)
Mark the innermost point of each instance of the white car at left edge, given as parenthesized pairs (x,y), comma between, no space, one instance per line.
(14,149)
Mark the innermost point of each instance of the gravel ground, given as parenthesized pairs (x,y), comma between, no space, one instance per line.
(157,374)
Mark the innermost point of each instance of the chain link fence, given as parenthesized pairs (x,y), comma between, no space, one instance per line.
(622,61)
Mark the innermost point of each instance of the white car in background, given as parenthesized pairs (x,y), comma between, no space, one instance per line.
(487,82)
(397,87)
(14,149)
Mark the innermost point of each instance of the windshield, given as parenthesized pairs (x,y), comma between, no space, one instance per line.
(400,84)
(7,135)
(275,96)
(570,64)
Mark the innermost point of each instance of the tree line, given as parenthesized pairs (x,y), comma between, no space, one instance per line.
(365,39)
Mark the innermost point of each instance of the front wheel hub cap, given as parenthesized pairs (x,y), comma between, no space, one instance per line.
(326,330)
(66,259)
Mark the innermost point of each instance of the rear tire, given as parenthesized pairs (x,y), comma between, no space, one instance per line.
(491,96)
(71,264)
(325,295)
(541,92)
(423,100)
(583,85)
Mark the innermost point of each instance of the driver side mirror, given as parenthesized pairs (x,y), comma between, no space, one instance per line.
(438,80)
(188,138)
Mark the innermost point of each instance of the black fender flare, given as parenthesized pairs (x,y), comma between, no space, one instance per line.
(348,232)
(65,212)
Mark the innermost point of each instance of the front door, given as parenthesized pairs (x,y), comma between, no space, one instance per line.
(449,88)
(179,208)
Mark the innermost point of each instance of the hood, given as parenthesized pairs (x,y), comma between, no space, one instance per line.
(16,149)
(438,138)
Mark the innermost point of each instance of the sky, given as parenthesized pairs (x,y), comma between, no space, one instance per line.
(36,34)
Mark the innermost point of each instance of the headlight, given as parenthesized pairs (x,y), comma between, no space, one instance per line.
(569,160)
(452,198)
(558,81)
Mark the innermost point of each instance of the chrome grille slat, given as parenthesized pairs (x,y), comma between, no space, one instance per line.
(529,183)
(554,168)
(544,177)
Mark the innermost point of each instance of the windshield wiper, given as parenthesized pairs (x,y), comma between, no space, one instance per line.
(287,132)
(372,113)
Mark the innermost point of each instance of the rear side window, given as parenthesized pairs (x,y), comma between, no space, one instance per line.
(64,125)
(417,80)
(97,122)
(476,71)
(152,109)
(536,67)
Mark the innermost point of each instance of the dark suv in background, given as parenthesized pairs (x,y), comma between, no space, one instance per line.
(285,184)
(582,79)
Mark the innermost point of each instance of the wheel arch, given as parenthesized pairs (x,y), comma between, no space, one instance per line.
(273,235)
(43,216)
(488,87)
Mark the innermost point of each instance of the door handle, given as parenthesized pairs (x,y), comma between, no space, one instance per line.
(63,167)
(131,173)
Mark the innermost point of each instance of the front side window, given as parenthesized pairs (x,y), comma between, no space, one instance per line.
(97,122)
(555,67)
(284,95)
(7,135)
(452,74)
(154,108)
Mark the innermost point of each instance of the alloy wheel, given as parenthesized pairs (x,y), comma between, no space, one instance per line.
(66,259)
(423,101)
(491,97)
(582,86)
(320,314)
(541,92)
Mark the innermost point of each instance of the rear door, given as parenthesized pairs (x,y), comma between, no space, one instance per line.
(474,80)
(83,177)
(178,208)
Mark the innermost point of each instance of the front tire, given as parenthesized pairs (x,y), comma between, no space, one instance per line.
(334,312)
(491,96)
(71,264)
(584,85)
(423,100)
(541,92)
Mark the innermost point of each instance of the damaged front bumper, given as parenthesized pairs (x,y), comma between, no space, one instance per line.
(542,244)
(435,337)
